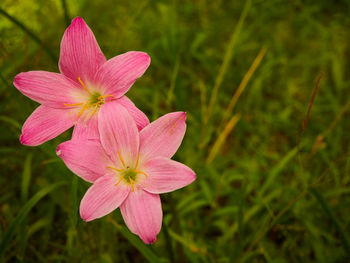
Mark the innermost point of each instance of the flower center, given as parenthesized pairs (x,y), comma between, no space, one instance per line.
(128,174)
(94,102)
(95,98)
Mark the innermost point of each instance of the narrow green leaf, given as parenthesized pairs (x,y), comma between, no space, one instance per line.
(278,168)
(30,33)
(328,211)
(11,121)
(66,12)
(137,243)
(227,58)
(26,175)
(23,213)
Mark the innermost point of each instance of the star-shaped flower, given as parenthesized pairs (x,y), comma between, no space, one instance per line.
(87,82)
(129,168)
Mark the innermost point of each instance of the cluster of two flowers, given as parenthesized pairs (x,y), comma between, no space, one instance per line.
(113,144)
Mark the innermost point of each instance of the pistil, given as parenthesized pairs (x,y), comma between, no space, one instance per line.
(128,174)
(95,101)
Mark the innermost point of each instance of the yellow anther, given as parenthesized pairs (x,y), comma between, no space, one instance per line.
(82,83)
(121,159)
(82,109)
(96,104)
(74,104)
(137,161)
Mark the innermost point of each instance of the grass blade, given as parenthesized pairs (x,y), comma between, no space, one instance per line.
(173,80)
(10,121)
(311,102)
(244,83)
(221,139)
(278,168)
(27,171)
(203,97)
(66,12)
(30,33)
(23,213)
(227,58)
(328,211)
(136,242)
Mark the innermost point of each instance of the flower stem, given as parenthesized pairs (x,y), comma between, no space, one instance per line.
(30,33)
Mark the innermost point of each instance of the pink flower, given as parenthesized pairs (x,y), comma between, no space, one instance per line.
(86,83)
(129,169)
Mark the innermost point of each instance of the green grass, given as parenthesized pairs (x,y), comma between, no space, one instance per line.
(265,191)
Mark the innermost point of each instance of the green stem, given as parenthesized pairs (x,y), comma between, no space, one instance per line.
(66,12)
(30,33)
(335,222)
(168,242)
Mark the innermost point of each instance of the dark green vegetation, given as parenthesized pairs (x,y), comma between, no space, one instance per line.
(245,73)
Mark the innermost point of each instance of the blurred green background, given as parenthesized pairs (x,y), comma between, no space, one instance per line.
(245,73)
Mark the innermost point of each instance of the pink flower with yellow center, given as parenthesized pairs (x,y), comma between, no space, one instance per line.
(129,168)
(87,82)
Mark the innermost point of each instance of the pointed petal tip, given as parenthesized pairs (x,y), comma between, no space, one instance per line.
(77,19)
(143,56)
(184,115)
(180,115)
(18,79)
(147,58)
(149,240)
(193,177)
(85,218)
(22,139)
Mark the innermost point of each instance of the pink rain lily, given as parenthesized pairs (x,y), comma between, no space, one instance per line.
(87,82)
(129,168)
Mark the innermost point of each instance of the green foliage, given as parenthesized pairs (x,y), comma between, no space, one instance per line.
(265,191)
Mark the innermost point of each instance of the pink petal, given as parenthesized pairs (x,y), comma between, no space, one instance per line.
(119,73)
(85,158)
(118,133)
(139,117)
(142,213)
(44,124)
(86,129)
(48,88)
(163,136)
(165,175)
(80,55)
(102,197)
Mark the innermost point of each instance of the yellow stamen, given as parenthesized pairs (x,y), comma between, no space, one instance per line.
(82,110)
(110,167)
(121,159)
(120,179)
(137,161)
(99,102)
(82,83)
(74,104)
(140,172)
(105,96)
